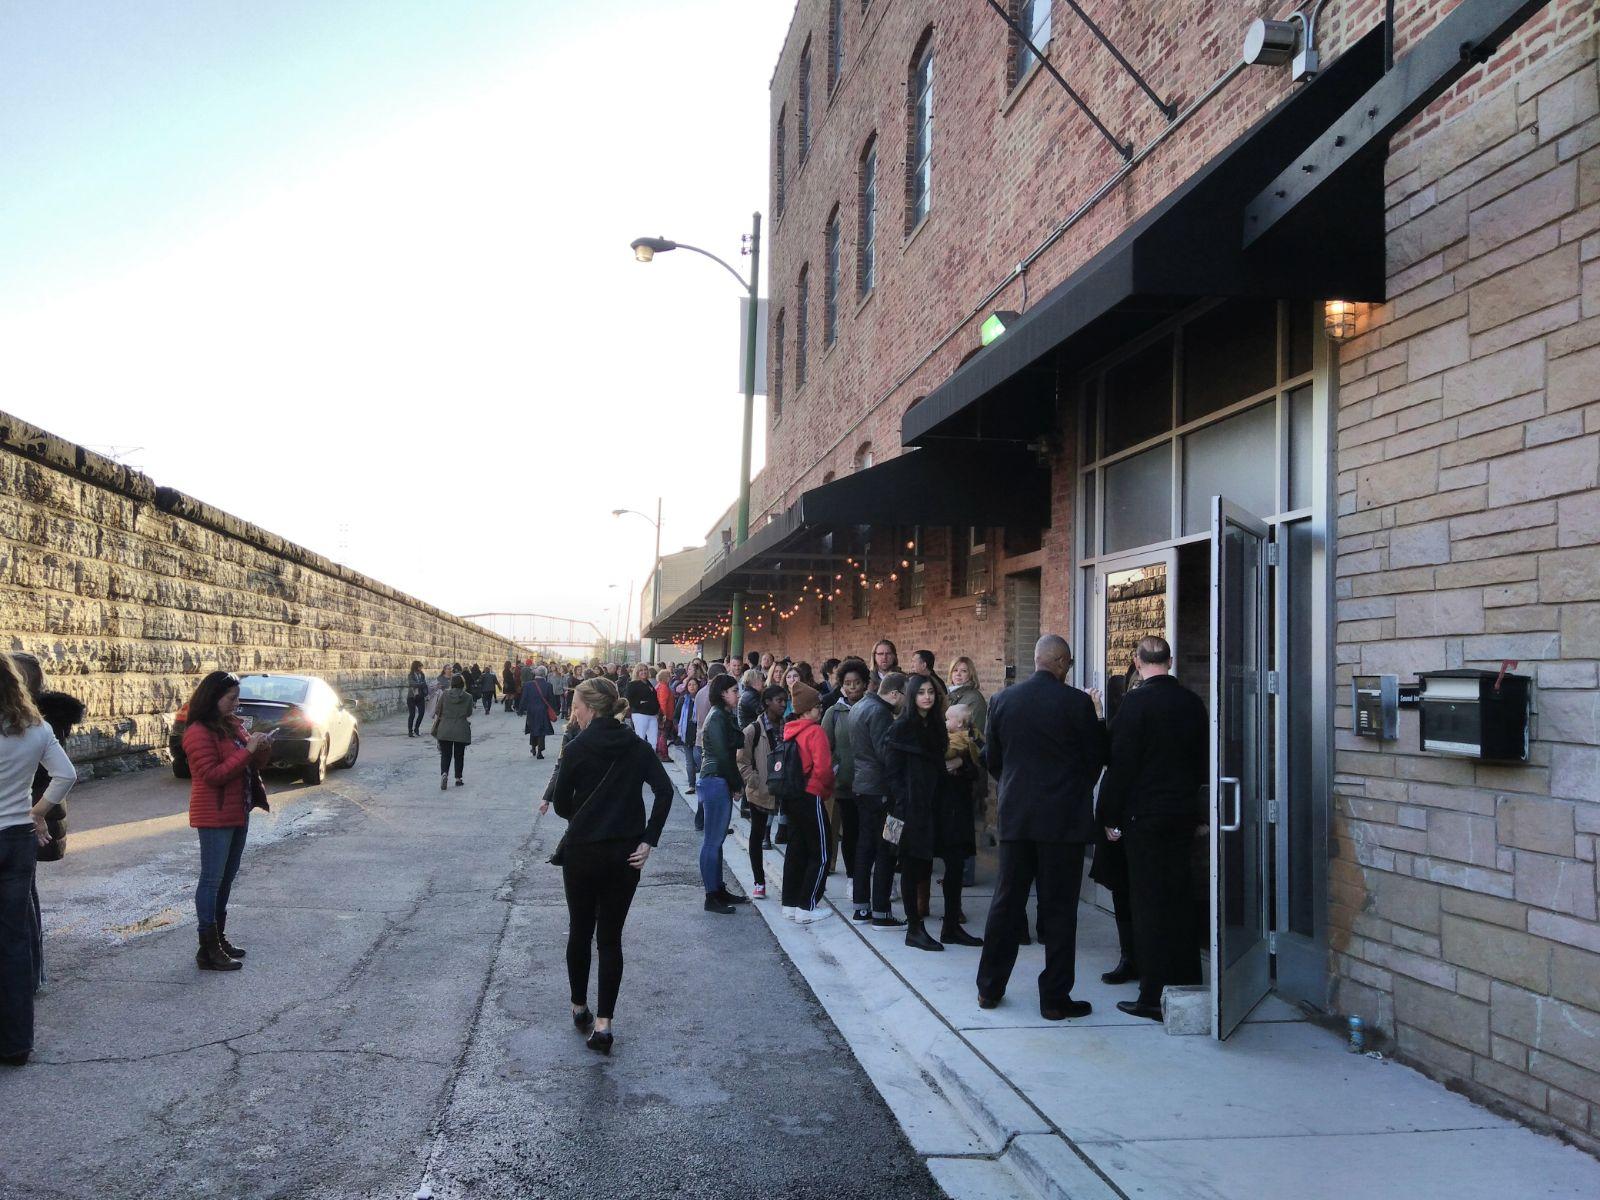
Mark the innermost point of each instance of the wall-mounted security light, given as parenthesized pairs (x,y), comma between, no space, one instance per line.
(996,324)
(1339,319)
(1273,43)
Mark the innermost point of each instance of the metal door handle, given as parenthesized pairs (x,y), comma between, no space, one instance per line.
(1238,816)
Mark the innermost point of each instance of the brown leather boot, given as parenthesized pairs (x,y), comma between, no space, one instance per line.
(210,956)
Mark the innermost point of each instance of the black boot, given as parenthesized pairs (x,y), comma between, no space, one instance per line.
(953,935)
(1123,972)
(918,938)
(228,947)
(210,956)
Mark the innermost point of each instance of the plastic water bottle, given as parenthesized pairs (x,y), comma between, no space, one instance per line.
(1358,1036)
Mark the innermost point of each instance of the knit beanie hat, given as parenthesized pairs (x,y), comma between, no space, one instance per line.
(805,698)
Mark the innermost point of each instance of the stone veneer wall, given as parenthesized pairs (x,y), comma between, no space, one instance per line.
(129,592)
(1463,895)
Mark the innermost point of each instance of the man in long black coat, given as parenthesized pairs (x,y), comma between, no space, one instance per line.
(1149,800)
(1047,746)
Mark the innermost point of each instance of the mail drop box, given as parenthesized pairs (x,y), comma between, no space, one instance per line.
(1479,714)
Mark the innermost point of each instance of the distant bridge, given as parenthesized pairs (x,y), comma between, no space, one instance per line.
(542,635)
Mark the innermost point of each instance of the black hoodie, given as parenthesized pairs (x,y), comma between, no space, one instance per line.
(599,786)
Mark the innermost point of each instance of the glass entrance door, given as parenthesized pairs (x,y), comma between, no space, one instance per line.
(1240,962)
(1134,597)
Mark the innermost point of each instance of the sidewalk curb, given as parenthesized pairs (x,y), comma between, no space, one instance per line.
(980,1138)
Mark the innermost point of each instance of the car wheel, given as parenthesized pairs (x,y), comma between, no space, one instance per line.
(180,766)
(350,755)
(316,771)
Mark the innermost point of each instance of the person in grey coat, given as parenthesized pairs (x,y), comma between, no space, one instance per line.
(452,725)
(873,878)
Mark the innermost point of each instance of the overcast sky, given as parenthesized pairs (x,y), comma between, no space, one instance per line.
(358,270)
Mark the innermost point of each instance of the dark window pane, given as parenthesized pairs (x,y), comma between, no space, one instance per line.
(1300,447)
(1304,323)
(1139,499)
(1297,680)
(1228,354)
(1091,427)
(1236,459)
(1139,397)
(1088,515)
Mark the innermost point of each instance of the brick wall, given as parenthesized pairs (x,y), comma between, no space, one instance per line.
(1464,894)
(128,593)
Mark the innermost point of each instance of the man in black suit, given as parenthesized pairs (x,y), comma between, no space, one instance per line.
(1150,801)
(1047,746)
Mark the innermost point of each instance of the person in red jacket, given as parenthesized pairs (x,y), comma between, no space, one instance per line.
(225,784)
(805,861)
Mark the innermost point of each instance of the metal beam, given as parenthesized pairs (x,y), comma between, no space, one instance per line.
(1167,110)
(1466,37)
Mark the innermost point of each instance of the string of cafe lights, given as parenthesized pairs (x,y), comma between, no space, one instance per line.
(854,571)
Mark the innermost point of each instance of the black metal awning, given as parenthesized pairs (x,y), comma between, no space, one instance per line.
(1007,486)
(1189,247)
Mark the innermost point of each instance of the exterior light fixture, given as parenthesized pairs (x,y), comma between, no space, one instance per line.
(646,248)
(997,323)
(1339,319)
(981,609)
(1273,43)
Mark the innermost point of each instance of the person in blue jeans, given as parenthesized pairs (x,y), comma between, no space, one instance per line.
(720,782)
(689,732)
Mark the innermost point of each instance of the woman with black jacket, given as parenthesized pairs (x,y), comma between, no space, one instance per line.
(416,700)
(720,782)
(598,786)
(914,767)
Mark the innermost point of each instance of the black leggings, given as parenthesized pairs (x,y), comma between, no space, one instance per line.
(416,708)
(448,750)
(758,838)
(914,872)
(600,886)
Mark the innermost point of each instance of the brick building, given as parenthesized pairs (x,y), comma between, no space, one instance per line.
(1301,369)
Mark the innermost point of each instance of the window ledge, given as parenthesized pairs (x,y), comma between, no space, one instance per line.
(1021,85)
(864,300)
(917,231)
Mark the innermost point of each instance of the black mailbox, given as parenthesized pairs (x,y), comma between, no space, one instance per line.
(1479,714)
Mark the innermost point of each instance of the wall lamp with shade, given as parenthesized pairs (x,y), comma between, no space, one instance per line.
(1274,43)
(981,609)
(1339,319)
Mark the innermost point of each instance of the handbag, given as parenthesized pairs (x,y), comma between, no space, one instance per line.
(893,827)
(559,856)
(55,819)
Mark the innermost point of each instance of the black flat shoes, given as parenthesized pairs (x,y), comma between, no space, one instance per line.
(600,1042)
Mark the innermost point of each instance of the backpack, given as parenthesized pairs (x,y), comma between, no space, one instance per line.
(786,777)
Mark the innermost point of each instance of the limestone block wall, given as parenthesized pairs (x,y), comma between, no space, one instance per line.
(129,593)
(1463,894)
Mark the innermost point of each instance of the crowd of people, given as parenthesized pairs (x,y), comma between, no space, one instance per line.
(864,766)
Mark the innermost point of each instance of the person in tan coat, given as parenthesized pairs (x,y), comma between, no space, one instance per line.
(760,737)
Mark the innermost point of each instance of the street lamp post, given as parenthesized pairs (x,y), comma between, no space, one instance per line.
(645,249)
(655,588)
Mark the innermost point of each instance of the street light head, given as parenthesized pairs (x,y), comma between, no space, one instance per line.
(646,248)
(617,512)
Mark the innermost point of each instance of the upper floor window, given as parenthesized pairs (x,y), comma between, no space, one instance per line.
(919,140)
(863,456)
(776,387)
(867,220)
(835,43)
(805,102)
(830,284)
(1034,18)
(802,302)
(780,153)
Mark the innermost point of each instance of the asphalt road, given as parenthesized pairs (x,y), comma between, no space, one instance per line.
(401,1025)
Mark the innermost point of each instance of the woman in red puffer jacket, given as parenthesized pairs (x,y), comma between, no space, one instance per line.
(225,784)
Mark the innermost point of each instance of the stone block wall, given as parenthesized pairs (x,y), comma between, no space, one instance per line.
(128,593)
(1464,894)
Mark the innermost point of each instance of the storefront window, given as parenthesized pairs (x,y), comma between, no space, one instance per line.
(1236,458)
(1300,441)
(1229,354)
(1139,397)
(1139,500)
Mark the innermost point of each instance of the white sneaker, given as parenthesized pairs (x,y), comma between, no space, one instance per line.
(789,912)
(809,916)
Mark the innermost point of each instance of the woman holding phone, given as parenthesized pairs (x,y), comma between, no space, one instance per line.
(224,786)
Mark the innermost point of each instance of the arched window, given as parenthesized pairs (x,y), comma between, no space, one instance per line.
(919,134)
(835,43)
(780,176)
(863,459)
(805,101)
(779,329)
(830,280)
(867,218)
(1034,17)
(802,321)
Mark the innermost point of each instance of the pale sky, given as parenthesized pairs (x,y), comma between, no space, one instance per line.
(358,270)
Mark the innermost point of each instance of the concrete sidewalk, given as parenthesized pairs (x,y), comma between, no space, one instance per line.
(1004,1104)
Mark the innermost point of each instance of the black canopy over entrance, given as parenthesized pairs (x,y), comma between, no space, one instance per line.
(988,486)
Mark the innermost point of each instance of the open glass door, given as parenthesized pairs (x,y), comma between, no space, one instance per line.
(1135,597)
(1240,962)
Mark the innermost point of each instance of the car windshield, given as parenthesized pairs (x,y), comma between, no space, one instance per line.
(284,689)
